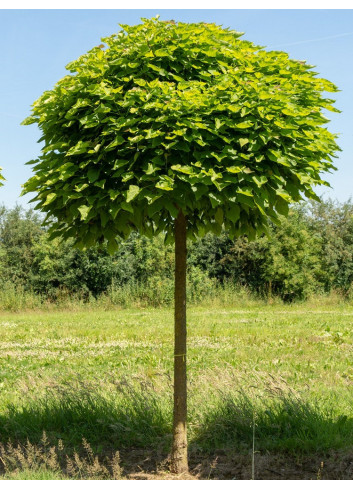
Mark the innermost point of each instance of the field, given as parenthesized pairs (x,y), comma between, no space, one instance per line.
(79,386)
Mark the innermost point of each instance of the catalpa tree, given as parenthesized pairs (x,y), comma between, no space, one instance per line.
(179,129)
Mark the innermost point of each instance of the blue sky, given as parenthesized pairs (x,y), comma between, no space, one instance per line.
(37,44)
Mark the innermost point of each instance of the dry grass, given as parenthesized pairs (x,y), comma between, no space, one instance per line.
(42,458)
(52,462)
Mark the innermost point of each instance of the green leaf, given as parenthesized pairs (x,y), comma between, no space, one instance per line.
(127,207)
(79,148)
(219,216)
(29,120)
(161,52)
(119,164)
(151,169)
(104,218)
(261,208)
(182,146)
(165,183)
(218,123)
(285,195)
(235,169)
(159,70)
(188,170)
(244,125)
(93,174)
(245,191)
(112,247)
(215,200)
(282,207)
(233,213)
(243,141)
(100,183)
(126,176)
(278,157)
(84,210)
(173,210)
(133,191)
(114,194)
(260,180)
(50,198)
(116,142)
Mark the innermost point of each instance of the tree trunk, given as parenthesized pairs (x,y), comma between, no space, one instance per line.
(179,456)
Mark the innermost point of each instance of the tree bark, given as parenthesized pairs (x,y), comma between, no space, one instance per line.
(179,456)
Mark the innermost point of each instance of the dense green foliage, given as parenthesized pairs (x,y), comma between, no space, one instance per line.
(310,252)
(167,116)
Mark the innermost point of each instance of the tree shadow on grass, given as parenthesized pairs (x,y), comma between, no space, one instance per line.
(282,423)
(285,435)
(136,421)
(125,418)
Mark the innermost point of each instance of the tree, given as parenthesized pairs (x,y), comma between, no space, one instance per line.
(1,178)
(178,129)
(333,222)
(59,268)
(292,265)
(285,263)
(19,231)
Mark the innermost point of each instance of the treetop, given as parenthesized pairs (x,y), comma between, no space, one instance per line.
(168,116)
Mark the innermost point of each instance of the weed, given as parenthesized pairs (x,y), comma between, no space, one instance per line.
(44,461)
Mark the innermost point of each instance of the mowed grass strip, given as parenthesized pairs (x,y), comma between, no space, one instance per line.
(106,376)
(304,346)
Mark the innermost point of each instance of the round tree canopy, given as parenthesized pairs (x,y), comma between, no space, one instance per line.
(169,116)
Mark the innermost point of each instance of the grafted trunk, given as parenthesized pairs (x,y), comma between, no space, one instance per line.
(179,462)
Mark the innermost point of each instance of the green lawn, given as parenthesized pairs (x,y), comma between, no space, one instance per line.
(106,376)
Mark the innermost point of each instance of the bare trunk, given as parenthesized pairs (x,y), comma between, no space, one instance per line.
(179,462)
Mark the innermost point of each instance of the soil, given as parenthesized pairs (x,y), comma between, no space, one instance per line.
(225,466)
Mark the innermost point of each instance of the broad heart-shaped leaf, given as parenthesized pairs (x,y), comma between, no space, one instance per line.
(244,125)
(116,142)
(233,213)
(243,141)
(93,174)
(112,246)
(282,206)
(50,198)
(79,148)
(84,210)
(219,216)
(177,116)
(133,191)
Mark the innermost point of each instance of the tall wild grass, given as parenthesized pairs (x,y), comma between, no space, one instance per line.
(156,292)
(126,414)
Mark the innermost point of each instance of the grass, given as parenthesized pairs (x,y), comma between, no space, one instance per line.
(33,475)
(104,376)
(42,461)
(156,293)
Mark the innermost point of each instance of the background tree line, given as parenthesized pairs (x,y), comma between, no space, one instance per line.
(310,252)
